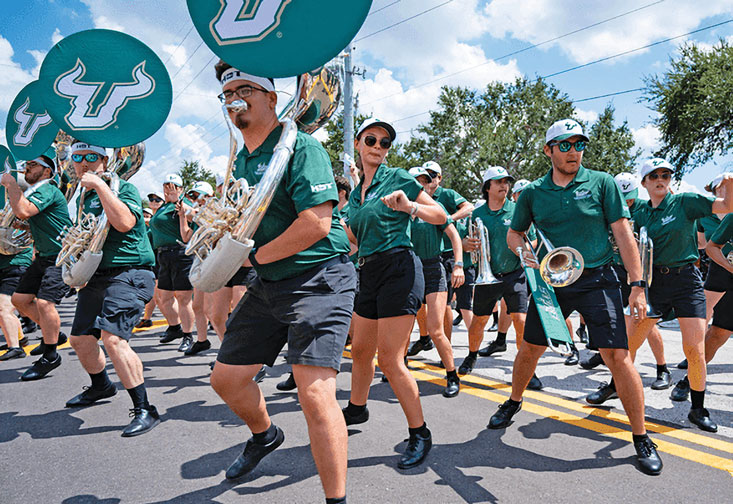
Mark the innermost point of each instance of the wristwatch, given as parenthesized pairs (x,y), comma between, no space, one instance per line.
(638,283)
(458,263)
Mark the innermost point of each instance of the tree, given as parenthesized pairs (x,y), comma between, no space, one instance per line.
(694,100)
(191,172)
(610,149)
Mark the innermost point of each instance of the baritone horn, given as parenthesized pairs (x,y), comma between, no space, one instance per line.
(482,256)
(646,254)
(15,235)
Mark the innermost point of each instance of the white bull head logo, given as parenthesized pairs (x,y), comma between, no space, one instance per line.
(83,95)
(28,124)
(241,21)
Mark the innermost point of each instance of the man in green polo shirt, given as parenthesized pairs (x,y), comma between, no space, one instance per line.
(41,288)
(574,206)
(304,292)
(12,268)
(113,301)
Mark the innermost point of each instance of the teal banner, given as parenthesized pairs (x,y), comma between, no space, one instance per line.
(548,309)
(29,128)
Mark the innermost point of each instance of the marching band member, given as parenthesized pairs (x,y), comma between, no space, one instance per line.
(464,293)
(155,201)
(113,301)
(41,287)
(519,186)
(303,295)
(574,206)
(391,285)
(12,268)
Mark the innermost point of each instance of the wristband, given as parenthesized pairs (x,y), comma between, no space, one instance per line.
(413,212)
(638,283)
(252,259)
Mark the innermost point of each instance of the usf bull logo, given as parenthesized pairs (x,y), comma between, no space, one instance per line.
(28,124)
(84,115)
(241,21)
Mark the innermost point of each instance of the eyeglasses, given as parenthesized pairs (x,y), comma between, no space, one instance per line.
(384,143)
(565,145)
(155,200)
(664,176)
(241,92)
(92,157)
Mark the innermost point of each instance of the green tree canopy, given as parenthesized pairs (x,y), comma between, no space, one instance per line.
(191,172)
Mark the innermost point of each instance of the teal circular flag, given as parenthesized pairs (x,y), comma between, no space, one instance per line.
(106,88)
(29,128)
(277,38)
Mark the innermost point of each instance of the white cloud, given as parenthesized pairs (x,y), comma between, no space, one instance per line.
(647,138)
(107,23)
(14,77)
(587,116)
(56,37)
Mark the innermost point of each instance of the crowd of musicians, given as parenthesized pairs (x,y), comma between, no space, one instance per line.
(331,262)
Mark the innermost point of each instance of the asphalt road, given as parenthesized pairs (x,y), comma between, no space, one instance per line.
(558,450)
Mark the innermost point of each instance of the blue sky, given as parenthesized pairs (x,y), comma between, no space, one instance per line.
(400,61)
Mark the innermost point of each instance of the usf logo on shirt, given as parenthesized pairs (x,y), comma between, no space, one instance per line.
(582,194)
(28,124)
(666,220)
(240,21)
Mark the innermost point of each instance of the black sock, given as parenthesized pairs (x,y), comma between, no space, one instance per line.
(354,410)
(422,430)
(662,368)
(639,438)
(100,381)
(500,338)
(189,334)
(49,351)
(495,317)
(451,374)
(698,398)
(341,500)
(612,384)
(139,396)
(513,402)
(176,327)
(425,339)
(473,354)
(266,437)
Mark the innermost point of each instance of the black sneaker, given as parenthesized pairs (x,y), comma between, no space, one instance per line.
(494,327)
(503,417)
(681,391)
(594,361)
(453,386)
(419,346)
(582,335)
(573,358)
(146,322)
(42,346)
(663,381)
(171,334)
(457,320)
(535,383)
(198,347)
(416,452)
(604,393)
(260,375)
(143,420)
(356,419)
(682,364)
(90,396)
(186,343)
(252,454)
(287,384)
(22,342)
(28,325)
(467,365)
(13,353)
(492,348)
(701,418)
(648,458)
(41,368)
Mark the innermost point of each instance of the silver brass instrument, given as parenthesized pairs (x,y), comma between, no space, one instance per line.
(223,240)
(646,254)
(561,266)
(15,235)
(64,167)
(482,256)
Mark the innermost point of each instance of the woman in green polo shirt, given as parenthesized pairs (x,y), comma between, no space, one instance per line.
(677,283)
(391,285)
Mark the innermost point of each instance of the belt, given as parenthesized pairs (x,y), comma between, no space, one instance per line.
(363,260)
(432,260)
(666,270)
(590,271)
(448,254)
(502,275)
(170,248)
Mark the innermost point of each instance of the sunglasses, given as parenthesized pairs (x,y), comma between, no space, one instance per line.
(384,143)
(155,200)
(565,145)
(241,92)
(92,157)
(664,176)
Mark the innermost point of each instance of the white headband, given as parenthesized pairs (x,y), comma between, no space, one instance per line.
(233,74)
(42,162)
(79,146)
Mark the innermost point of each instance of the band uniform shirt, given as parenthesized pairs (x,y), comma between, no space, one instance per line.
(462,228)
(165,225)
(723,234)
(633,209)
(52,216)
(708,225)
(672,228)
(377,227)
(308,182)
(23,258)
(427,239)
(577,215)
(123,249)
(450,200)
(497,223)
(345,218)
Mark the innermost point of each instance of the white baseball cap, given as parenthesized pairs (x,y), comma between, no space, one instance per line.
(564,129)
(520,185)
(433,166)
(377,122)
(416,171)
(628,184)
(173,178)
(496,173)
(716,181)
(219,179)
(157,194)
(203,187)
(654,164)
(147,210)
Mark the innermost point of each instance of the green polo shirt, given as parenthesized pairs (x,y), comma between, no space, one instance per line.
(497,223)
(633,209)
(376,226)
(52,216)
(577,215)
(672,228)
(723,234)
(345,217)
(308,182)
(708,225)
(20,259)
(427,239)
(165,225)
(462,228)
(450,200)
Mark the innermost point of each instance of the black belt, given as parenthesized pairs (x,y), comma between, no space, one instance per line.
(502,275)
(170,248)
(363,260)
(432,260)
(448,254)
(590,271)
(666,270)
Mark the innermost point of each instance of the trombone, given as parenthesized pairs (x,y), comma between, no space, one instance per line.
(646,254)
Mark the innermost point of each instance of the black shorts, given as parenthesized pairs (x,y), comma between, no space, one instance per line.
(244,276)
(10,278)
(390,285)
(464,293)
(596,295)
(448,262)
(156,266)
(723,312)
(434,276)
(311,313)
(43,280)
(114,301)
(173,268)
(718,279)
(623,278)
(513,289)
(679,288)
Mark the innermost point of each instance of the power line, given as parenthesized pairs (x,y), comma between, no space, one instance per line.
(187,60)
(382,8)
(608,94)
(195,77)
(179,45)
(403,21)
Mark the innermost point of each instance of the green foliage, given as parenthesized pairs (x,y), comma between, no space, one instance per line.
(191,172)
(695,102)
(610,149)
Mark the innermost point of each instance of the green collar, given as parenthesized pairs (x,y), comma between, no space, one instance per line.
(503,208)
(581,176)
(268,146)
(378,177)
(663,204)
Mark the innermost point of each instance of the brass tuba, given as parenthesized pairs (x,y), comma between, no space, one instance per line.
(15,235)
(223,240)
(482,256)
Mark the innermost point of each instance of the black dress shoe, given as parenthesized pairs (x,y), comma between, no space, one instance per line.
(146,322)
(42,346)
(41,368)
(28,325)
(604,393)
(648,458)
(417,451)
(198,347)
(419,346)
(144,419)
(701,418)
(494,327)
(503,417)
(492,348)
(453,385)
(682,364)
(467,365)
(90,396)
(663,381)
(252,454)
(22,342)
(457,320)
(356,419)
(260,375)
(582,335)
(573,358)
(594,361)
(13,353)
(186,343)
(171,334)
(534,383)
(287,384)
(681,391)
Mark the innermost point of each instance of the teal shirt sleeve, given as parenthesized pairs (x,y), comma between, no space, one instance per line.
(130,196)
(408,184)
(312,184)
(614,205)
(522,218)
(697,205)
(42,198)
(531,235)
(724,232)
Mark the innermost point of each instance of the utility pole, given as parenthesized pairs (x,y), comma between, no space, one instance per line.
(349,72)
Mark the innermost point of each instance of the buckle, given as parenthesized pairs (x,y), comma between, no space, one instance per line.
(361,261)
(664,270)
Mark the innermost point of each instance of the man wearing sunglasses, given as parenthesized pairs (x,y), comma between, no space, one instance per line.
(41,287)
(574,206)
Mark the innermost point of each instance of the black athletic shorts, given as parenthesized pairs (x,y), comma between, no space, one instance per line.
(391,284)
(311,313)
(623,278)
(680,289)
(723,312)
(718,278)
(448,261)
(434,275)
(596,295)
(114,301)
(244,276)
(10,278)
(173,268)
(43,280)
(464,293)
(513,289)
